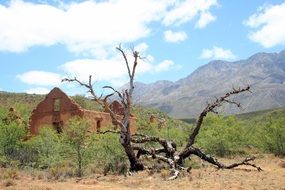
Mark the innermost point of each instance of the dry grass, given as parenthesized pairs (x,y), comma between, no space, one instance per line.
(273,177)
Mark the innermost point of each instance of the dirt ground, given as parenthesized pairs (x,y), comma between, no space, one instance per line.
(206,177)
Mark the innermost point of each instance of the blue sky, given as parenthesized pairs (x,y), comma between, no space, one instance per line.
(45,40)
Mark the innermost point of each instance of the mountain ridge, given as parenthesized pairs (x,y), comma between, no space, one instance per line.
(264,72)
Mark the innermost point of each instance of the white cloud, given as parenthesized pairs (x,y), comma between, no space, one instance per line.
(164,66)
(171,36)
(81,26)
(37,91)
(117,83)
(217,53)
(101,70)
(40,78)
(84,26)
(113,71)
(205,19)
(91,27)
(185,11)
(268,25)
(142,47)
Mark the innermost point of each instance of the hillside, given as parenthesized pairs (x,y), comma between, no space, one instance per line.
(185,98)
(25,103)
(257,116)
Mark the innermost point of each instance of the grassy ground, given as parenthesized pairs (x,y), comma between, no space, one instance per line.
(205,177)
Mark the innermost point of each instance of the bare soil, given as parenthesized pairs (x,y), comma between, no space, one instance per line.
(205,177)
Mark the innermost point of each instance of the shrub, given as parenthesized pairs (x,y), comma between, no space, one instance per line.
(11,136)
(61,171)
(222,136)
(49,147)
(107,154)
(75,135)
(271,135)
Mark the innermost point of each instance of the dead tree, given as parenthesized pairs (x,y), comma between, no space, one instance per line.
(133,144)
(175,159)
(126,101)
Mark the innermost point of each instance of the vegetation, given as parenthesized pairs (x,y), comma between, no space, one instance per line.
(262,132)
(75,135)
(86,103)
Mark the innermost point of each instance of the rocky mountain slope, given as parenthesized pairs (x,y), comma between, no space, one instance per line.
(185,98)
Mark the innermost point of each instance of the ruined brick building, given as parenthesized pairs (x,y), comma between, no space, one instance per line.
(57,108)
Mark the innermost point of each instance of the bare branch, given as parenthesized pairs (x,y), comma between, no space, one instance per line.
(108,131)
(108,96)
(103,102)
(75,80)
(208,158)
(136,56)
(233,102)
(169,146)
(125,58)
(211,108)
(117,92)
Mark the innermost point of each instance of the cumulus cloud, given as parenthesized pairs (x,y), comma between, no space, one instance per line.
(81,26)
(42,78)
(142,47)
(164,66)
(37,91)
(100,69)
(113,71)
(91,27)
(205,19)
(267,25)
(171,36)
(217,53)
(187,10)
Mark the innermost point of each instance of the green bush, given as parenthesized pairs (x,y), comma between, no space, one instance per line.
(175,130)
(87,103)
(75,135)
(222,136)
(11,144)
(271,135)
(108,154)
(50,148)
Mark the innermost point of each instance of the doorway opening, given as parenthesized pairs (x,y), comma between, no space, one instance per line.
(98,125)
(58,126)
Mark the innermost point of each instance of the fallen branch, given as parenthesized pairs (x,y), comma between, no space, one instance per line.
(214,161)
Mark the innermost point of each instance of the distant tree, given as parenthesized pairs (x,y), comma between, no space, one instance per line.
(11,136)
(75,132)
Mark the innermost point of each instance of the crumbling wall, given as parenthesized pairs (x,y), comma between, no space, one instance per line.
(117,108)
(45,113)
(57,108)
(97,120)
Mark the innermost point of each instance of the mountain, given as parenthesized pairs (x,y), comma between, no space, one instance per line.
(185,98)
